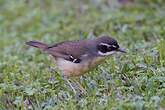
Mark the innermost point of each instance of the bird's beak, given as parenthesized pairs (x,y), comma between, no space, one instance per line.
(121,50)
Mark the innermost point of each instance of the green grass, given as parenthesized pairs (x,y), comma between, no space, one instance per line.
(135,80)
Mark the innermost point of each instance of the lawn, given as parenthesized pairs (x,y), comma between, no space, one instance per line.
(131,81)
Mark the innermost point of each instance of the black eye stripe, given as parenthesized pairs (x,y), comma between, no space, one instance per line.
(103,48)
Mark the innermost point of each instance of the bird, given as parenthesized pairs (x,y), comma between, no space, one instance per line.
(74,58)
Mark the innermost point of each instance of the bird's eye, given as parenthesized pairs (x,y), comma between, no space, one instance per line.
(103,48)
(113,47)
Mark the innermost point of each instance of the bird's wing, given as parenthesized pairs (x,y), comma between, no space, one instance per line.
(71,51)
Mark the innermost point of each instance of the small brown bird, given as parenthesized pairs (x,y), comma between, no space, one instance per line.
(74,58)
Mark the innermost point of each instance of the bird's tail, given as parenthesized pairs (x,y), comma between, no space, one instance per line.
(37,44)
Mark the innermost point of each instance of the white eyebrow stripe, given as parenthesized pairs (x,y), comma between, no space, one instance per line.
(108,45)
(105,44)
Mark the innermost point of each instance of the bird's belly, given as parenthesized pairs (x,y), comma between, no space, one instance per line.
(75,69)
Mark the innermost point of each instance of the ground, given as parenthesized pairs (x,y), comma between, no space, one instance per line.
(135,80)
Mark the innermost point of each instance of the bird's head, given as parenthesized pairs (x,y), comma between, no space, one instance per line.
(107,46)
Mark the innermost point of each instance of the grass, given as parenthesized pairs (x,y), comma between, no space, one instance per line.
(135,80)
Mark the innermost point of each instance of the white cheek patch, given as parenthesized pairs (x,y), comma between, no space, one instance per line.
(106,54)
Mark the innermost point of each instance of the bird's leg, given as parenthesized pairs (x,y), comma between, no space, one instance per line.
(66,79)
